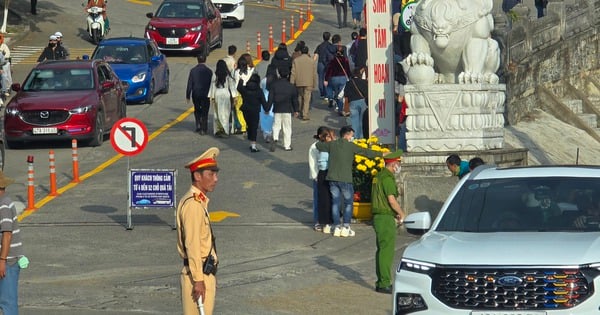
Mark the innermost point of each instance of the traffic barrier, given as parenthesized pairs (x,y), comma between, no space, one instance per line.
(258,46)
(52,174)
(30,185)
(309,10)
(301,20)
(248,46)
(271,48)
(283,35)
(75,157)
(282,4)
(292,35)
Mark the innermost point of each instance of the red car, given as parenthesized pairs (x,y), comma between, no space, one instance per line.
(67,99)
(186,25)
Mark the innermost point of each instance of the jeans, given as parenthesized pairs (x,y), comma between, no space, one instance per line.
(321,74)
(402,136)
(357,109)
(339,189)
(337,85)
(9,290)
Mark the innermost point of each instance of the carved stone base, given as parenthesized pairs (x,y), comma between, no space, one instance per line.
(455,117)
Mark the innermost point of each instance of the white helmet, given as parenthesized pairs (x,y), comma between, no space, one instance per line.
(58,34)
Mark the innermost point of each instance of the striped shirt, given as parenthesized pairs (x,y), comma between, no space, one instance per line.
(9,222)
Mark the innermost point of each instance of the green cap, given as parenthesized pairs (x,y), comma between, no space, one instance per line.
(394,156)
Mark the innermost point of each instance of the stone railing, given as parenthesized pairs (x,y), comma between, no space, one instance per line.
(562,47)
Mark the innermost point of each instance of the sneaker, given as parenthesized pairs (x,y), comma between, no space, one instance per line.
(327,229)
(289,149)
(347,231)
(272,146)
(386,290)
(318,228)
(337,232)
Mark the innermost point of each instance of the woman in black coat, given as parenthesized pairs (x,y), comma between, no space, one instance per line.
(253,98)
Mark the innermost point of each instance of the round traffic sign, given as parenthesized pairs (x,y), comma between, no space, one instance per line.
(129,136)
(407,14)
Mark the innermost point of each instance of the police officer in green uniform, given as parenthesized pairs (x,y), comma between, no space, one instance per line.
(386,213)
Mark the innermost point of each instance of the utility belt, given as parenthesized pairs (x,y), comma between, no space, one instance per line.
(209,266)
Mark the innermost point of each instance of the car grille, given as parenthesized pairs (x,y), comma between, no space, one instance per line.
(172,32)
(45,117)
(511,289)
(225,7)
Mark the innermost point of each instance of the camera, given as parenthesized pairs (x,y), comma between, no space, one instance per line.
(209,267)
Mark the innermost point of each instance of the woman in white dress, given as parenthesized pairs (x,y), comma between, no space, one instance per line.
(222,91)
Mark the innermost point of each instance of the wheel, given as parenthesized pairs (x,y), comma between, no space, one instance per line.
(150,93)
(96,36)
(123,108)
(237,24)
(2,156)
(220,43)
(98,131)
(206,48)
(165,89)
(12,145)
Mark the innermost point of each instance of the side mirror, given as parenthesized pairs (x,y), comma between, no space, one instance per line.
(157,58)
(149,15)
(211,16)
(125,85)
(108,85)
(418,223)
(15,87)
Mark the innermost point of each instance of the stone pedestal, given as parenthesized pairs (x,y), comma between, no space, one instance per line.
(455,117)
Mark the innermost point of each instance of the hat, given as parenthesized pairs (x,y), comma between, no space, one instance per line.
(53,37)
(58,34)
(5,181)
(206,161)
(393,157)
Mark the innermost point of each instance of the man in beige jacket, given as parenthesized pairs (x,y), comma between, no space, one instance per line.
(304,77)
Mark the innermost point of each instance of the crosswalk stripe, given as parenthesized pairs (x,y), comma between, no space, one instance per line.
(29,54)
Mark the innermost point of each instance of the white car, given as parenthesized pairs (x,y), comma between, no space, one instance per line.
(232,11)
(507,241)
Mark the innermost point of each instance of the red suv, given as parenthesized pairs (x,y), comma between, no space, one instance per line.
(67,99)
(186,25)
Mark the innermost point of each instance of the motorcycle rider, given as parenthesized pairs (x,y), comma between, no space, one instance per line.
(52,51)
(59,42)
(6,72)
(100,4)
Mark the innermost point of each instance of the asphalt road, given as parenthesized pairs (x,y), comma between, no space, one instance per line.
(84,261)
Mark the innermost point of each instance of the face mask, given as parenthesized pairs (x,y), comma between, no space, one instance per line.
(351,139)
(52,44)
(397,169)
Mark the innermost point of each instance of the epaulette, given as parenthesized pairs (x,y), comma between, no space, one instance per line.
(201,197)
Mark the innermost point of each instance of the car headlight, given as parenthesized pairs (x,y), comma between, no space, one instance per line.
(416,266)
(81,110)
(151,27)
(12,111)
(140,77)
(196,28)
(237,5)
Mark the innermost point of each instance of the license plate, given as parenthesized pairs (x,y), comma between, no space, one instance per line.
(172,41)
(509,313)
(45,131)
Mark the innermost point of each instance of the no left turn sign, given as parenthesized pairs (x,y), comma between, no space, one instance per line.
(129,136)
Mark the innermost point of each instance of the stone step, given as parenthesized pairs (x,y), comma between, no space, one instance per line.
(576,106)
(590,119)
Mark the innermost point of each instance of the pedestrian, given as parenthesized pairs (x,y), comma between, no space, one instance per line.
(336,76)
(243,72)
(11,251)
(341,5)
(387,214)
(324,53)
(230,59)
(313,173)
(198,86)
(100,4)
(283,97)
(61,43)
(357,90)
(324,191)
(341,156)
(336,41)
(33,6)
(195,238)
(263,64)
(254,100)
(298,50)
(281,58)
(540,5)
(221,93)
(304,74)
(361,49)
(351,49)
(401,105)
(457,166)
(266,115)
(52,51)
(6,68)
(356,7)
(474,162)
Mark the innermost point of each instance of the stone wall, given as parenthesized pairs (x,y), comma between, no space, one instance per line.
(561,47)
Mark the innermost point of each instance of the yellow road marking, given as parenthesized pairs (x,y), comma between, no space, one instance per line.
(142,2)
(218,216)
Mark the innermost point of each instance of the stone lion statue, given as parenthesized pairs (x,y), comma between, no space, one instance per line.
(451,42)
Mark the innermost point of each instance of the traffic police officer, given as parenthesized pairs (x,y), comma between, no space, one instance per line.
(195,240)
(386,214)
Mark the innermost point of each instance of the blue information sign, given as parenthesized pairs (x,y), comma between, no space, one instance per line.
(152,188)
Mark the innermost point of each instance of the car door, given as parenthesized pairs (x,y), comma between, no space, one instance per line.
(108,84)
(214,23)
(158,67)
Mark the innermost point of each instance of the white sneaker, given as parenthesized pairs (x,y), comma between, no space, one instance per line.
(327,229)
(347,231)
(337,232)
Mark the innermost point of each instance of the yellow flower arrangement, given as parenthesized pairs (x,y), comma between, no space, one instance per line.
(364,169)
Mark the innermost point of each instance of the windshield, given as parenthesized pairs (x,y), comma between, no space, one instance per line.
(121,54)
(180,10)
(525,204)
(59,80)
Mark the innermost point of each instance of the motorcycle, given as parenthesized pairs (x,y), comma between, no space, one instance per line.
(95,24)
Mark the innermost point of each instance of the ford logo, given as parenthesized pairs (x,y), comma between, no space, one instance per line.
(509,281)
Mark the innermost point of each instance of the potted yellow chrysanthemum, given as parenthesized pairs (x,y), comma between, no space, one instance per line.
(363,171)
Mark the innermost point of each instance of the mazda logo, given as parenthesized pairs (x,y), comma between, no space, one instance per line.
(173,32)
(509,281)
(44,114)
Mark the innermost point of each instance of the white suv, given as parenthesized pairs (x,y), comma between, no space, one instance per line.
(507,241)
(232,11)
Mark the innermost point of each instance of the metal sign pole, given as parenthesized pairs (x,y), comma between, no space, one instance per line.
(129,223)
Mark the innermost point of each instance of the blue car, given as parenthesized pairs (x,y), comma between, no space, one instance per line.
(138,62)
